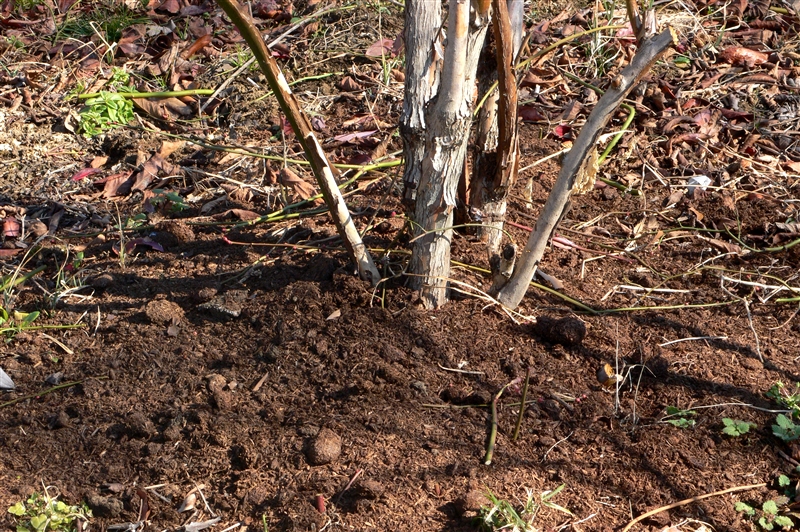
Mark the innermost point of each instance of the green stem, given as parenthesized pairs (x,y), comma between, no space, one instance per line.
(493,431)
(45,392)
(41,327)
(12,282)
(522,408)
(162,94)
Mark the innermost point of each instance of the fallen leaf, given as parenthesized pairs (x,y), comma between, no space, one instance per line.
(168,109)
(97,162)
(381,48)
(196,46)
(529,113)
(741,56)
(242,214)
(318,123)
(563,131)
(144,506)
(724,246)
(152,168)
(348,84)
(8,253)
(188,503)
(211,205)
(86,172)
(793,227)
(301,188)
(11,227)
(365,122)
(349,137)
(131,244)
(116,185)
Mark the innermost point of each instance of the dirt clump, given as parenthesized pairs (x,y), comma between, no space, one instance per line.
(324,448)
(162,311)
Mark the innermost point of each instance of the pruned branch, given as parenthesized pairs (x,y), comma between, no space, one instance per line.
(651,49)
(301,126)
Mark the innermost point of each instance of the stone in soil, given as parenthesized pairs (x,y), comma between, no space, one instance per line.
(104,506)
(227,305)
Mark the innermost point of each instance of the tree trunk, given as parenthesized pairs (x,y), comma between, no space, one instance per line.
(437,114)
(487,194)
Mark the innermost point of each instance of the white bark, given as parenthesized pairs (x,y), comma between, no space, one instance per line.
(436,131)
(512,293)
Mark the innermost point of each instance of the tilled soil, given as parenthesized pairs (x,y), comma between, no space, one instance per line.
(270,384)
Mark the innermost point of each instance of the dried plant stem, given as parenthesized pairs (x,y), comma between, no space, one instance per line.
(493,429)
(513,292)
(322,168)
(45,392)
(689,501)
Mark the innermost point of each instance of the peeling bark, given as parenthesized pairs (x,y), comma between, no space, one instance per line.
(497,152)
(435,129)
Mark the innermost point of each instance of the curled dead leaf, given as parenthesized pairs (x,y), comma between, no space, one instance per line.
(196,46)
(727,247)
(300,187)
(348,84)
(741,56)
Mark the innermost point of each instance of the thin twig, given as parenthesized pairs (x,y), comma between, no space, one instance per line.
(689,501)
(45,392)
(458,370)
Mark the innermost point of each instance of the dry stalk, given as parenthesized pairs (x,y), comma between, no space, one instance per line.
(513,292)
(322,168)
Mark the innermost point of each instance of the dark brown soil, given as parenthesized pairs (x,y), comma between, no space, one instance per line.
(299,398)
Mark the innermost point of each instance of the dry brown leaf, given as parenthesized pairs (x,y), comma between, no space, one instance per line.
(300,187)
(674,198)
(741,56)
(152,168)
(196,46)
(723,246)
(242,214)
(167,109)
(116,185)
(788,227)
(348,84)
(97,162)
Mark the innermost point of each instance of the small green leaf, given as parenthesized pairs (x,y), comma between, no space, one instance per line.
(784,481)
(39,522)
(769,507)
(744,507)
(18,509)
(783,521)
(766,525)
(31,316)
